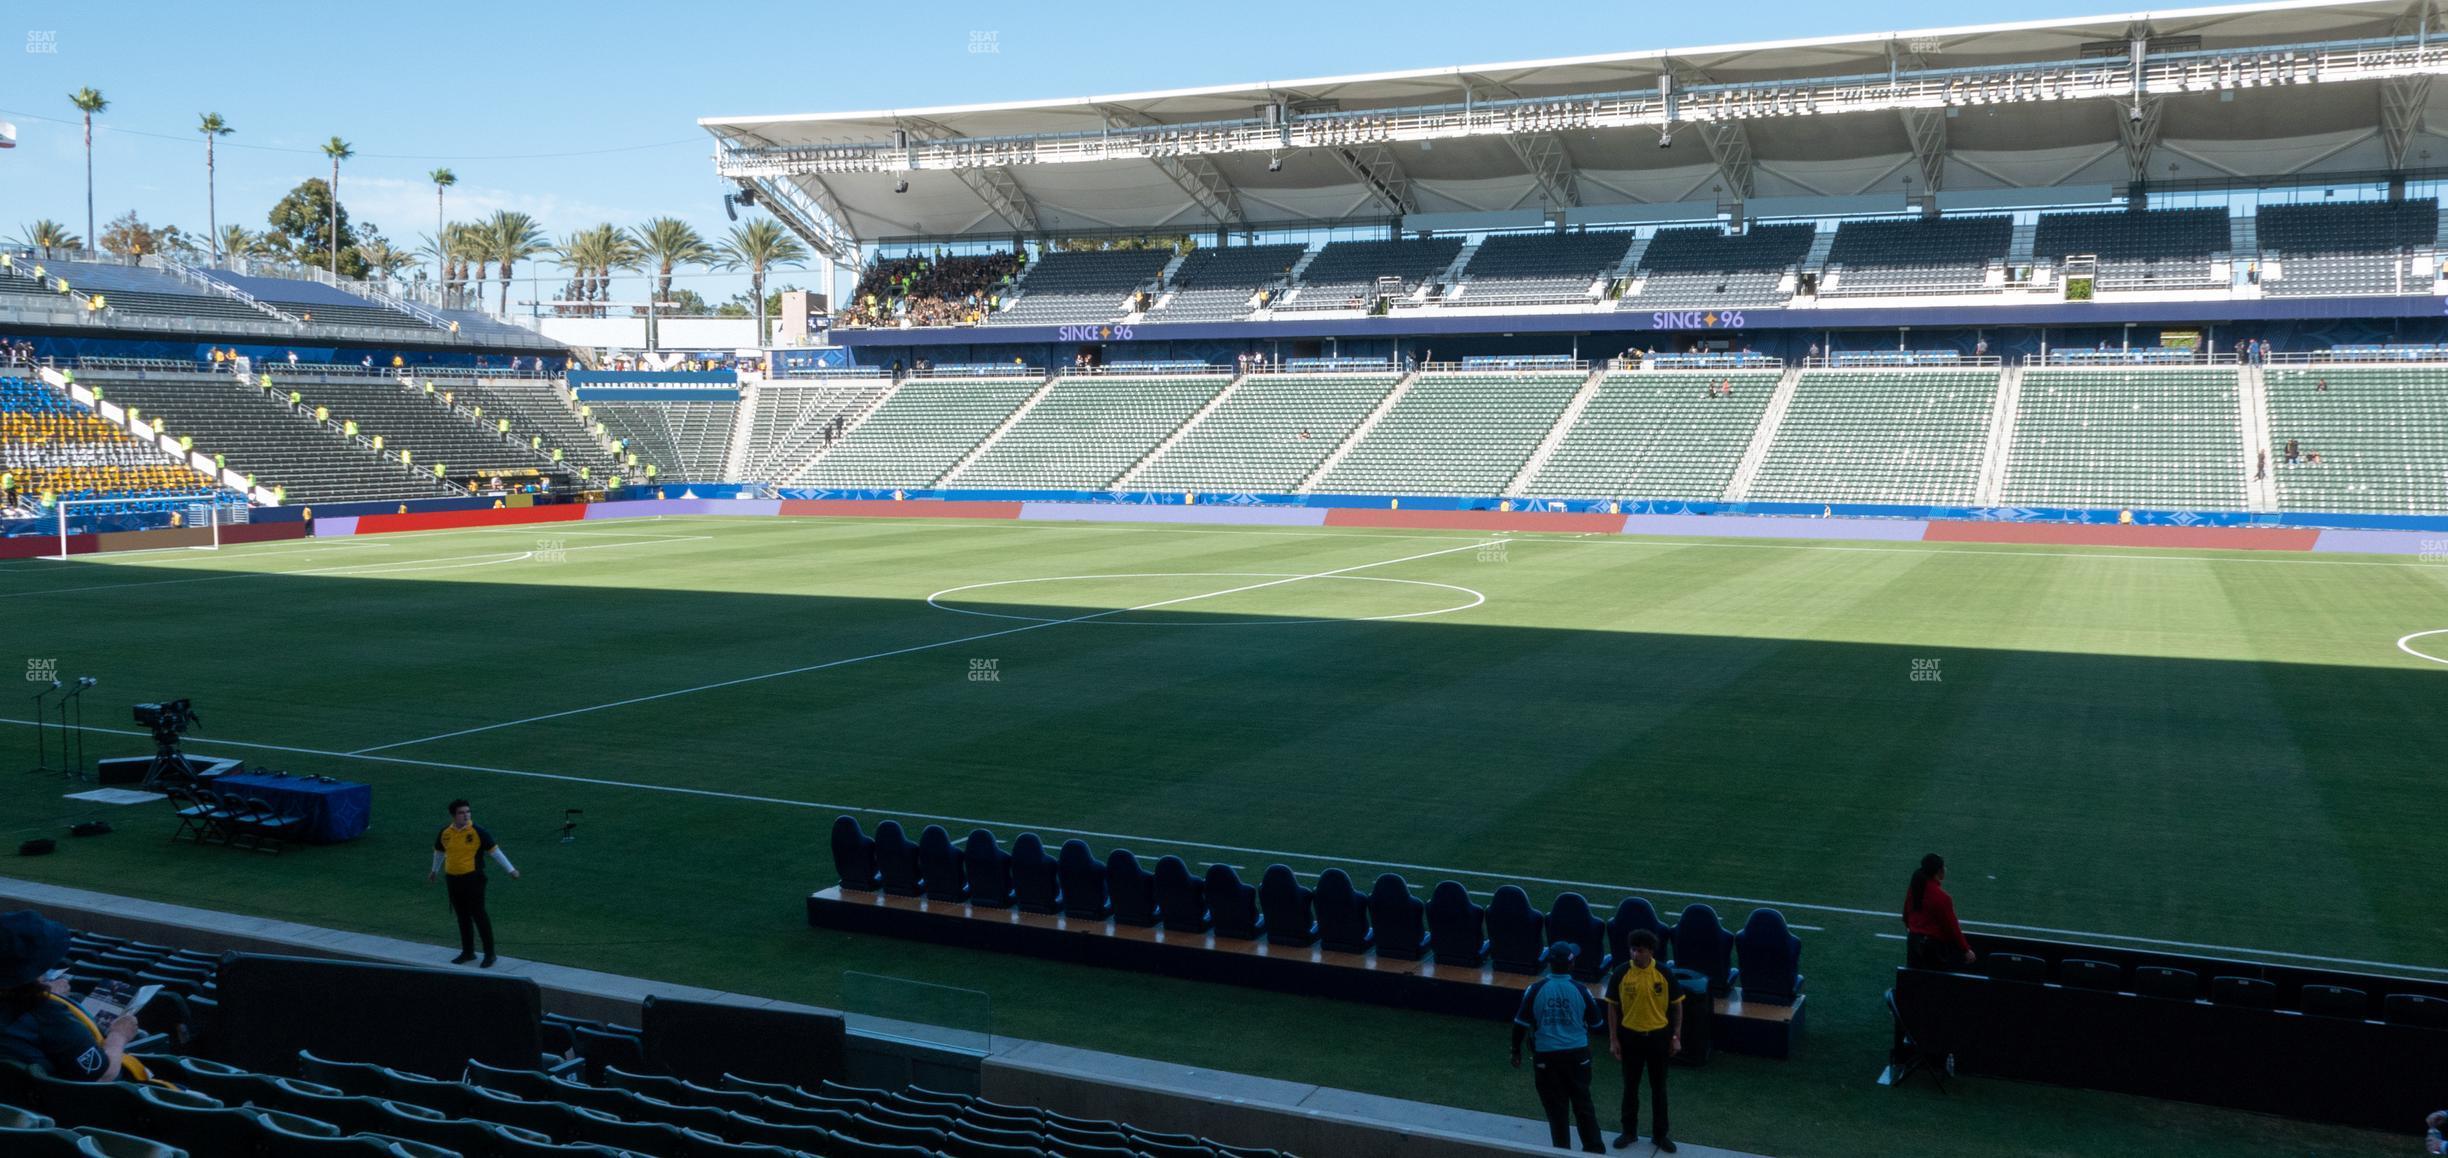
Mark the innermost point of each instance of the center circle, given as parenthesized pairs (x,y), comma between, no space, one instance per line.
(2406,645)
(1157,600)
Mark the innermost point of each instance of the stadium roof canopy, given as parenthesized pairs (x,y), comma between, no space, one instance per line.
(2246,94)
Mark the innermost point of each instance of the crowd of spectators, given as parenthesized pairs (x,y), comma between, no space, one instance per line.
(938,290)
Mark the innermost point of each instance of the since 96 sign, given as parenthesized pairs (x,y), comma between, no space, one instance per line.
(1696,320)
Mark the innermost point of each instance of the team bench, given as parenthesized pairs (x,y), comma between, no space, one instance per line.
(1448,954)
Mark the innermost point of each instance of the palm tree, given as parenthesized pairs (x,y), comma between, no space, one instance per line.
(89,100)
(237,241)
(512,237)
(212,126)
(47,235)
(591,255)
(669,243)
(442,179)
(338,150)
(383,258)
(760,245)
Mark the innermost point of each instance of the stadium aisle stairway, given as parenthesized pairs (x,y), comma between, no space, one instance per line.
(683,441)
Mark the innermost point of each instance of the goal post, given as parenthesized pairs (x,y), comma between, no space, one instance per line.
(166,523)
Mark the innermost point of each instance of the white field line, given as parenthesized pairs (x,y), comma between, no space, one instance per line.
(943,643)
(1314,858)
(2406,645)
(390,567)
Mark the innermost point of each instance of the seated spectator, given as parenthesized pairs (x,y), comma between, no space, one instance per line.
(2433,1140)
(39,1025)
(1933,939)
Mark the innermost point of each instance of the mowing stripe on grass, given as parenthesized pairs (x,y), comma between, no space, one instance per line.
(771,675)
(1315,858)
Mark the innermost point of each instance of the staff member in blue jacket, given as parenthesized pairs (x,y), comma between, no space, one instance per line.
(1557,1014)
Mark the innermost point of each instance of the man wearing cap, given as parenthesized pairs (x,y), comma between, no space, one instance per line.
(1557,1014)
(38,1024)
(1644,1028)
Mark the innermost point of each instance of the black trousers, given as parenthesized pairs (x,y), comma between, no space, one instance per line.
(1646,1052)
(1563,1079)
(467,892)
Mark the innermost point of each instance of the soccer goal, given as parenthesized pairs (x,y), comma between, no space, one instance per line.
(170,523)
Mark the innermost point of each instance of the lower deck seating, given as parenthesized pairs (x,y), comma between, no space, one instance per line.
(1658,435)
(921,428)
(1269,435)
(1889,436)
(255,432)
(2128,436)
(1088,430)
(683,441)
(1455,433)
(2381,436)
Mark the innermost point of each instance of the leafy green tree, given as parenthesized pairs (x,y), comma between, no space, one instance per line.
(668,243)
(129,236)
(308,223)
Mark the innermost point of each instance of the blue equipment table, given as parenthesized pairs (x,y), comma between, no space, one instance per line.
(333,811)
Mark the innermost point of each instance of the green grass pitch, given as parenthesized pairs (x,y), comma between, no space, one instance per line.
(2215,749)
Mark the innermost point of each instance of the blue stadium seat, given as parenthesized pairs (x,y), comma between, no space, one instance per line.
(1132,889)
(1036,885)
(896,860)
(1233,905)
(1636,913)
(1571,920)
(939,867)
(853,855)
(1342,918)
(1457,926)
(1289,908)
(1402,931)
(1179,897)
(1083,882)
(2248,992)
(2415,1009)
(2015,967)
(989,870)
(1771,958)
(1702,945)
(1516,931)
(2168,984)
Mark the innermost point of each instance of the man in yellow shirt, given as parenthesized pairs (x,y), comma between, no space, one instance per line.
(458,857)
(1644,1029)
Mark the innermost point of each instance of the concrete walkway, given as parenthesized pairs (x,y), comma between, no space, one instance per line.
(586,993)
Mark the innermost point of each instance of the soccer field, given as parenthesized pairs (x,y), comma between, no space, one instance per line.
(2233,753)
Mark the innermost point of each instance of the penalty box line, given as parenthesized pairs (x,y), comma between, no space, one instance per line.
(915,648)
(1312,858)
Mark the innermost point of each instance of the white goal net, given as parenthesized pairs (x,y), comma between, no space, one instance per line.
(169,523)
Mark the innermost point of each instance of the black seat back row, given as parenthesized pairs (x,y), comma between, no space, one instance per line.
(1334,915)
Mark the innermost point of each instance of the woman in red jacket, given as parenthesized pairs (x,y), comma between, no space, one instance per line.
(1932,937)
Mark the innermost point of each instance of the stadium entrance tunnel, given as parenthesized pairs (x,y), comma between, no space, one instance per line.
(1205,599)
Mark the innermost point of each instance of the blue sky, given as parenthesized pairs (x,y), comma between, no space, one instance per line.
(581,113)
